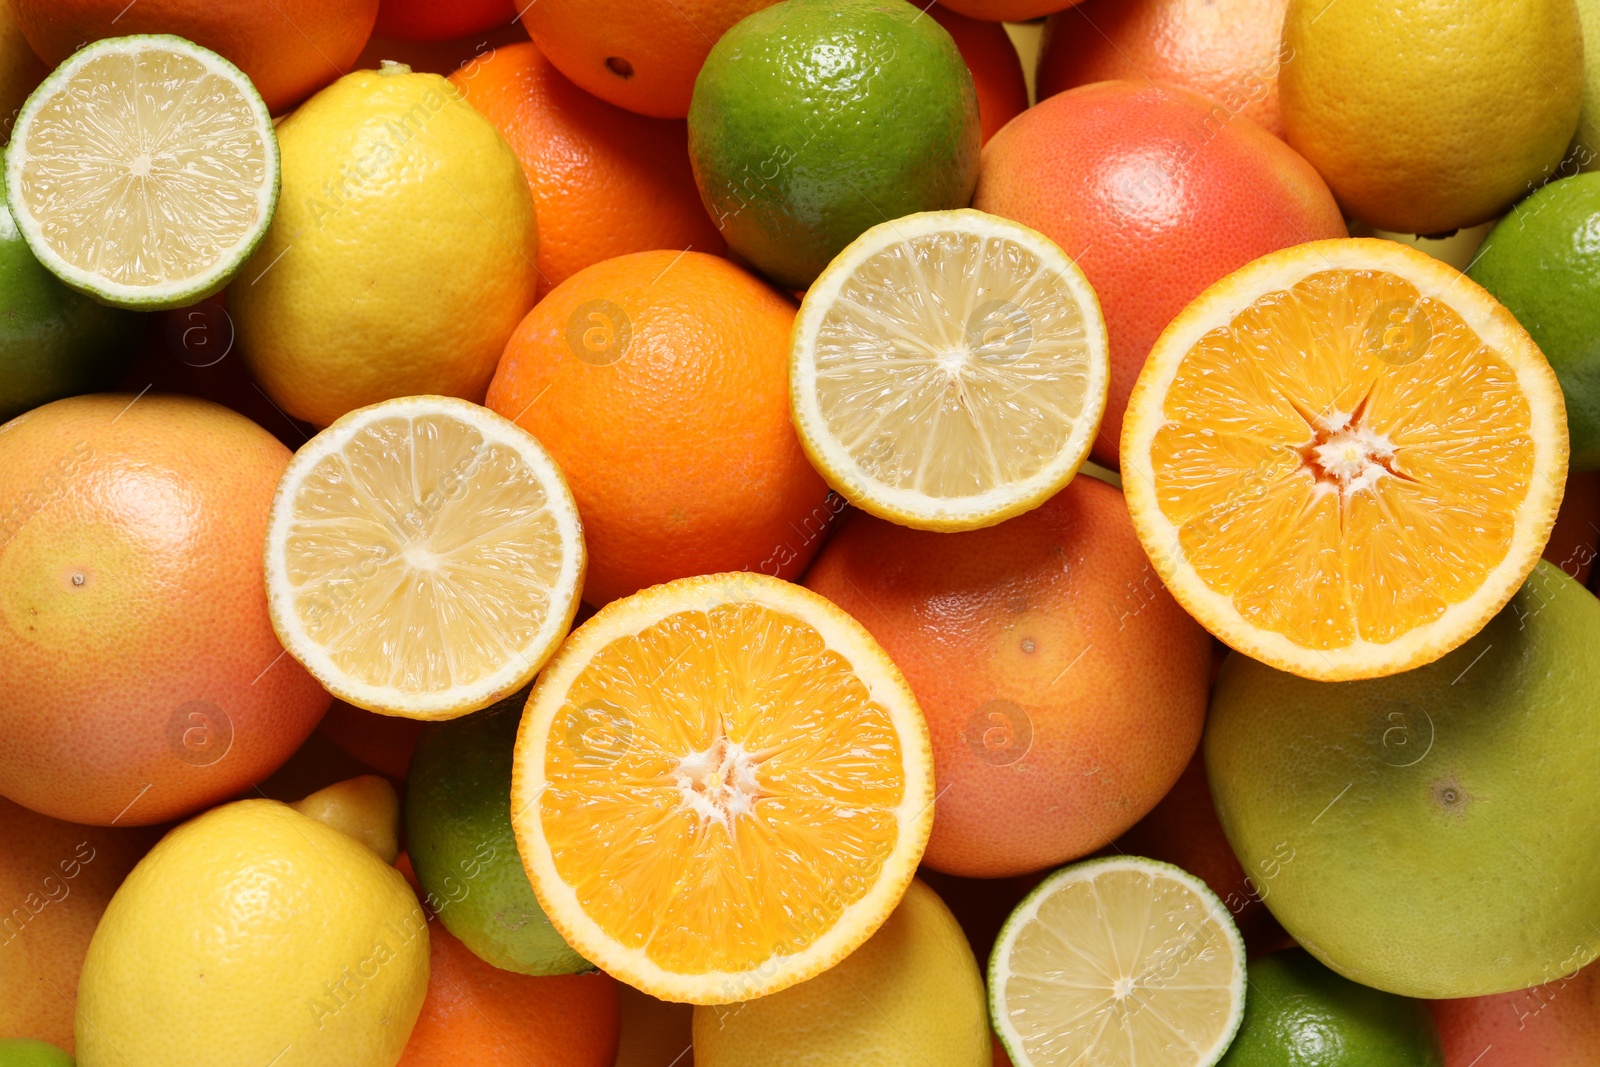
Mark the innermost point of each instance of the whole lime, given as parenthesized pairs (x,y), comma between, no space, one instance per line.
(458,835)
(1300,1014)
(814,120)
(54,341)
(21,1052)
(1542,261)
(1430,833)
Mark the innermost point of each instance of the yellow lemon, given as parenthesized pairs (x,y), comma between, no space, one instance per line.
(911,995)
(254,935)
(402,254)
(1428,117)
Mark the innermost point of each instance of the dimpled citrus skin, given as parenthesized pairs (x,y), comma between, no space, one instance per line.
(402,254)
(1387,816)
(1424,117)
(55,878)
(659,46)
(911,996)
(1156,194)
(1553,1024)
(996,69)
(155,685)
(605,181)
(254,935)
(815,120)
(289,48)
(989,627)
(659,383)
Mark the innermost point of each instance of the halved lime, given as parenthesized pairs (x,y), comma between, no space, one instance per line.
(1117,961)
(949,370)
(143,171)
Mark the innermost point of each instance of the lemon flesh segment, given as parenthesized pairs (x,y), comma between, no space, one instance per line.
(1115,962)
(1344,470)
(949,370)
(144,171)
(424,557)
(722,787)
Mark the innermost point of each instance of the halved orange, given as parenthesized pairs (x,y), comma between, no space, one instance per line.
(722,785)
(1344,458)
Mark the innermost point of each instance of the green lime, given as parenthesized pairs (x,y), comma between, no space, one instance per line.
(1430,833)
(814,120)
(54,342)
(21,1052)
(1543,263)
(458,834)
(1300,1014)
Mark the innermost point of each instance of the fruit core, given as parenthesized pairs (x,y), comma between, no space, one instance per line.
(719,784)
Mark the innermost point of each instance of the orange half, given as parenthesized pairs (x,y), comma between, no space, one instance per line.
(1344,458)
(722,786)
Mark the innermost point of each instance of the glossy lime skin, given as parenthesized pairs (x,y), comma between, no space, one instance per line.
(54,342)
(458,835)
(1542,261)
(1431,833)
(1298,1013)
(21,1052)
(814,120)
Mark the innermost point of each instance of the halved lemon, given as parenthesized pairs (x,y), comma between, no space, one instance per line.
(1117,962)
(722,785)
(144,171)
(949,370)
(1344,458)
(424,557)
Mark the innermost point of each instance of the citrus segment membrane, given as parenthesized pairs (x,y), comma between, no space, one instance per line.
(424,557)
(1116,962)
(723,786)
(144,171)
(949,369)
(1338,468)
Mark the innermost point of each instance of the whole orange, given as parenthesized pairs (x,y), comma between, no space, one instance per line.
(476,1015)
(1157,193)
(1064,688)
(441,20)
(289,48)
(605,181)
(994,63)
(1225,50)
(55,879)
(140,678)
(1556,1024)
(639,54)
(659,382)
(1184,830)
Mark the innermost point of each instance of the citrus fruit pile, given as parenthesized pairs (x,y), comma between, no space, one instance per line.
(799,533)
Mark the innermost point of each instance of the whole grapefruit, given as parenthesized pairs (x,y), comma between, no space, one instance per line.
(1156,192)
(289,48)
(1225,50)
(1064,688)
(56,878)
(605,181)
(659,382)
(140,678)
(1553,1024)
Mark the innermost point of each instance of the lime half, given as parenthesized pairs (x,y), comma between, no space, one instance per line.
(949,370)
(1114,962)
(143,171)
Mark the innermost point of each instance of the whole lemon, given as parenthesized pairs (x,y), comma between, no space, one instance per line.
(1426,117)
(401,256)
(911,995)
(254,935)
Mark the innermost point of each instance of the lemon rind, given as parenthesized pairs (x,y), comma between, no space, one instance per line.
(1224,301)
(462,699)
(630,615)
(911,507)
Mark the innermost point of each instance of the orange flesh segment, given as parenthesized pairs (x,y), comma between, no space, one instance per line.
(695,889)
(1298,552)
